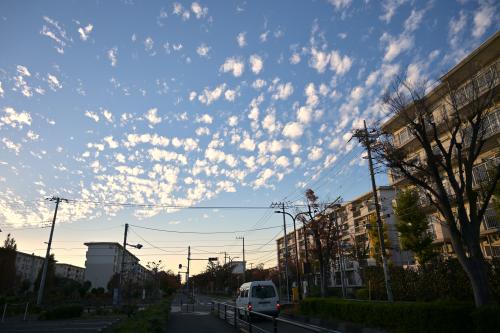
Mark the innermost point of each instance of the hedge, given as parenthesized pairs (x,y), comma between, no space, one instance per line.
(406,316)
(62,312)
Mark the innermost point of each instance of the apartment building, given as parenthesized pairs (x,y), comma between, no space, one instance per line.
(70,272)
(104,259)
(28,266)
(354,219)
(486,62)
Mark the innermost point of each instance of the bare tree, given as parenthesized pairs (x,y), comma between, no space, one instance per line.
(451,137)
(321,225)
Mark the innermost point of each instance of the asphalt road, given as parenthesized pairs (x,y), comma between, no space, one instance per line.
(57,326)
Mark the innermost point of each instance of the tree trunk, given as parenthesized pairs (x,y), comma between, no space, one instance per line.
(476,270)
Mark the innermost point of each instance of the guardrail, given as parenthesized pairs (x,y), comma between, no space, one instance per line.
(220,309)
(20,308)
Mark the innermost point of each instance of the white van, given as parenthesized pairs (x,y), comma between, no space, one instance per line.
(259,296)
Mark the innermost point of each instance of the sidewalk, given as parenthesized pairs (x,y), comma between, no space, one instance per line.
(199,320)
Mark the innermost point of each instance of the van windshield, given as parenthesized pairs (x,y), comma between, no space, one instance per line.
(263,292)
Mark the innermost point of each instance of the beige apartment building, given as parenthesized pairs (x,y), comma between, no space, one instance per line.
(70,271)
(486,62)
(354,219)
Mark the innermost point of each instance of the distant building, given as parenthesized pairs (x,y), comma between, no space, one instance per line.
(28,266)
(70,271)
(104,259)
(354,219)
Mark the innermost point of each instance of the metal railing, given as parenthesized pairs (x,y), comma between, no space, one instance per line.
(231,314)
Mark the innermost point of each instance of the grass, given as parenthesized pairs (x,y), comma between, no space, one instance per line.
(153,319)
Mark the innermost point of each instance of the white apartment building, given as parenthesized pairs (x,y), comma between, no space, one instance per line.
(70,271)
(103,260)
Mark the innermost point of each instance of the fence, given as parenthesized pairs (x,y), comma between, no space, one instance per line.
(15,310)
(231,314)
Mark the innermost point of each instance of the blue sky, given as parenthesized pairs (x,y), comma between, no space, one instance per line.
(214,103)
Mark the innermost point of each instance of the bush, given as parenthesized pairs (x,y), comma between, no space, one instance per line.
(396,317)
(486,319)
(62,312)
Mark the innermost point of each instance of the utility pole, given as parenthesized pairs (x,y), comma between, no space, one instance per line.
(286,251)
(39,299)
(225,257)
(341,254)
(364,137)
(187,271)
(244,262)
(122,266)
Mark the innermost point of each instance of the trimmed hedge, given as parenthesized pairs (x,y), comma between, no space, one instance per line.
(62,312)
(406,317)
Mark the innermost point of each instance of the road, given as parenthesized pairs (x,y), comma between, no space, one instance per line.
(57,326)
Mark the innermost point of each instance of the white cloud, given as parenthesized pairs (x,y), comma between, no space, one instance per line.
(113,56)
(15,119)
(202,131)
(357,93)
(263,176)
(293,130)
(92,115)
(53,82)
(294,58)
(340,4)
(230,95)
(413,21)
(152,117)
(23,71)
(256,63)
(456,26)
(390,7)
(319,60)
(339,64)
(192,95)
(85,32)
(206,119)
(148,44)
(111,143)
(372,78)
(199,11)
(210,96)
(282,161)
(1,90)
(483,18)
(107,115)
(241,39)
(203,50)
(315,153)
(233,65)
(269,123)
(396,46)
(304,115)
(263,36)
(258,84)
(232,121)
(11,145)
(283,91)
(248,144)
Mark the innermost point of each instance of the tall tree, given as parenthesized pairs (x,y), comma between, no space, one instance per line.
(321,225)
(413,226)
(451,138)
(374,239)
(8,265)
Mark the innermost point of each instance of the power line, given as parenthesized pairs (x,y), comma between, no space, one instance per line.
(207,232)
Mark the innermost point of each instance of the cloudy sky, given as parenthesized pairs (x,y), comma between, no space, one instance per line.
(210,103)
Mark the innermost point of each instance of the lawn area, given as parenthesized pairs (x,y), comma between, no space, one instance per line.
(152,319)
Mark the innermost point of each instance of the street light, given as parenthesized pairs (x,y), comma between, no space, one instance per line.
(294,218)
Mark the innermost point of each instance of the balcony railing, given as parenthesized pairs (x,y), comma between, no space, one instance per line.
(490,126)
(491,220)
(482,80)
(481,173)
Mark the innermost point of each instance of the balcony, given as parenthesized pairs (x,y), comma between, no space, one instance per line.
(482,81)
(490,127)
(481,173)
(490,220)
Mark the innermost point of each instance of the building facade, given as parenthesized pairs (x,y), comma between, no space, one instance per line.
(477,74)
(70,272)
(28,266)
(354,220)
(104,259)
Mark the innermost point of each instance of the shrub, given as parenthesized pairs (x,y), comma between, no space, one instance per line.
(62,312)
(486,318)
(396,317)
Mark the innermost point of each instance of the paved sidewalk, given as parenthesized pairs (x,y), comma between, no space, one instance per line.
(200,320)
